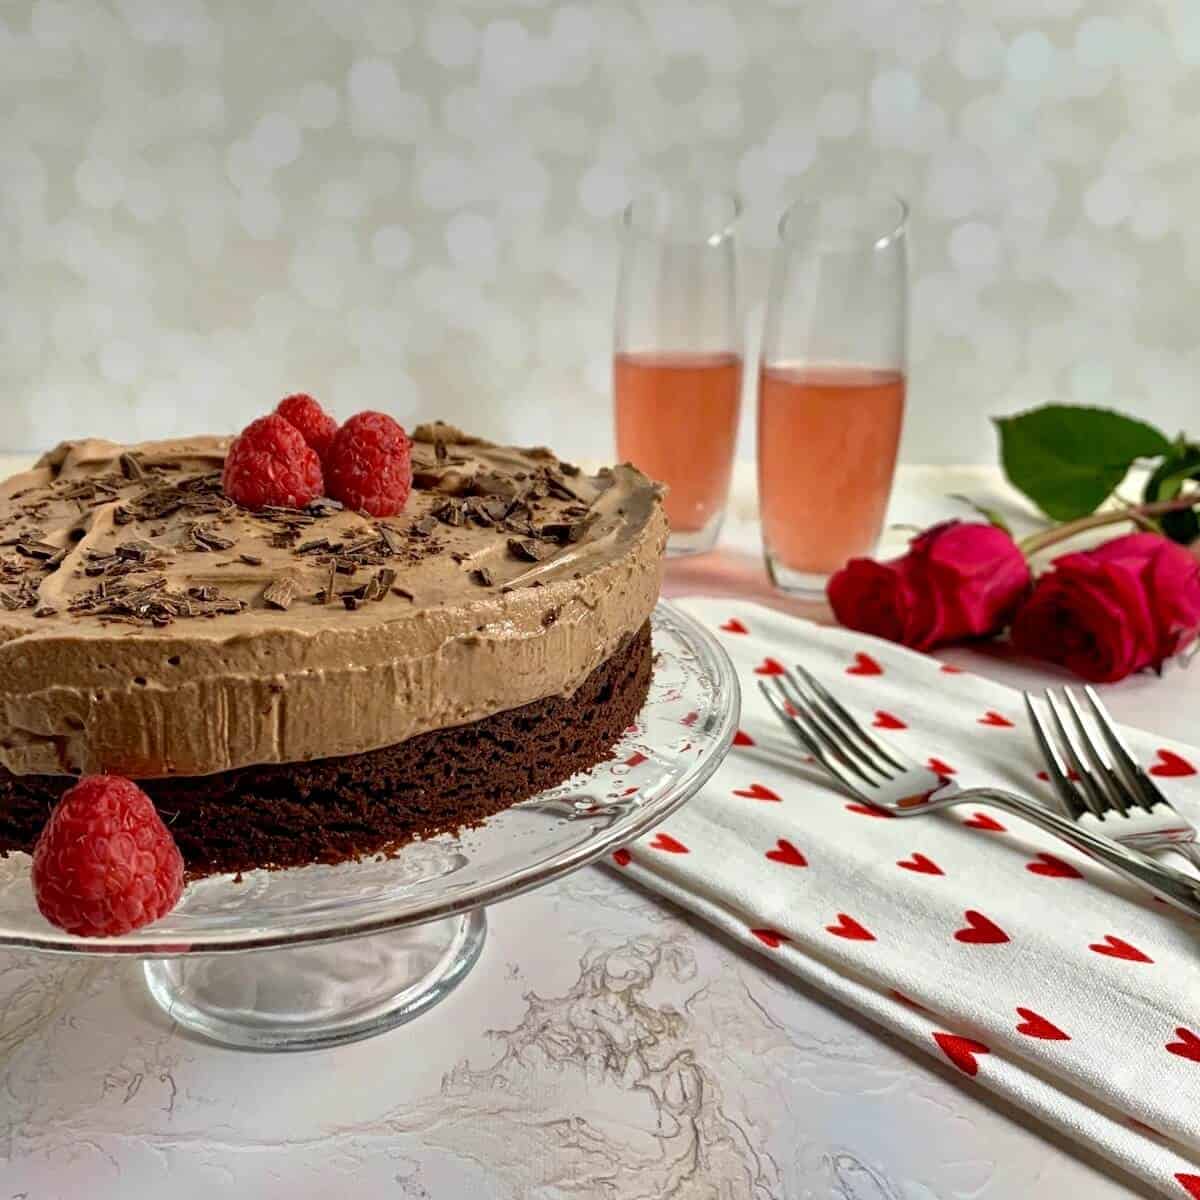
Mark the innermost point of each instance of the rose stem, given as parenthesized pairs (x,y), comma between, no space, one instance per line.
(1060,533)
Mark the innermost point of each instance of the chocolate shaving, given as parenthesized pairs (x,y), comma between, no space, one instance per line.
(393,538)
(314,547)
(251,560)
(330,583)
(424,527)
(351,601)
(205,538)
(559,489)
(568,468)
(449,513)
(45,610)
(280,592)
(139,550)
(482,576)
(131,467)
(404,593)
(325,506)
(368,543)
(382,582)
(31,547)
(555,531)
(490,483)
(525,550)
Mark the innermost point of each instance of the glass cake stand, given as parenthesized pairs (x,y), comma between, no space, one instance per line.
(315,956)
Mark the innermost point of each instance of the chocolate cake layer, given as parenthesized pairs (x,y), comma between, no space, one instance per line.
(334,809)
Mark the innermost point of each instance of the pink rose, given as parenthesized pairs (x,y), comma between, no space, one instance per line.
(958,580)
(1104,613)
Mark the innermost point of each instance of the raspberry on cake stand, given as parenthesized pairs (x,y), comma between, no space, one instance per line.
(315,956)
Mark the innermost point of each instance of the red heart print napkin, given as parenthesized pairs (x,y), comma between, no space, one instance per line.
(997,949)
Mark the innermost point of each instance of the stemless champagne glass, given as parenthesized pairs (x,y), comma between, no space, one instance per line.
(677,367)
(831,385)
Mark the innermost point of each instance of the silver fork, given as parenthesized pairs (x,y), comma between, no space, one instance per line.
(1114,795)
(884,778)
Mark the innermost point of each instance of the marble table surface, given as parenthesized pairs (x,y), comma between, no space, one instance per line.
(605,1046)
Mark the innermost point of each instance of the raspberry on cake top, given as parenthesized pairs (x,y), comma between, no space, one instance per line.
(151,626)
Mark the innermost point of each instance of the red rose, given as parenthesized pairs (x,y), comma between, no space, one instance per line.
(958,580)
(1104,613)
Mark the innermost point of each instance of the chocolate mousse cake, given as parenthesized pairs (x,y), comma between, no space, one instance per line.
(301,685)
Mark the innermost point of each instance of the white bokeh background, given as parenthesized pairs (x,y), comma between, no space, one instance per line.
(205,204)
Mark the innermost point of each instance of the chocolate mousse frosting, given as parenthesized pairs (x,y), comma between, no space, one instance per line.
(151,627)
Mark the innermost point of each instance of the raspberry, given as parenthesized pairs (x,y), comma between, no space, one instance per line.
(316,426)
(271,463)
(105,863)
(370,465)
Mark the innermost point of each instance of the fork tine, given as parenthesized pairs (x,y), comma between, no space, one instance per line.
(800,732)
(818,728)
(1146,793)
(826,729)
(1102,770)
(1093,797)
(1067,795)
(848,724)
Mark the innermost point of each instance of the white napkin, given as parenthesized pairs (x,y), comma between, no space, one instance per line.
(1034,971)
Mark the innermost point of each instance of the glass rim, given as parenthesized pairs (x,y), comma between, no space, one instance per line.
(657,192)
(891,229)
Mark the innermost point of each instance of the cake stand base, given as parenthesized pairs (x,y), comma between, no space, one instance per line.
(307,997)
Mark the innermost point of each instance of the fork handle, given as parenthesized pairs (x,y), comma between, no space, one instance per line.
(1177,889)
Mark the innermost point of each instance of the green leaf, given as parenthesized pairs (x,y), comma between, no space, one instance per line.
(1176,469)
(1068,459)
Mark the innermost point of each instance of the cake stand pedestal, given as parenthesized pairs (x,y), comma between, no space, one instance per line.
(316,956)
(308,997)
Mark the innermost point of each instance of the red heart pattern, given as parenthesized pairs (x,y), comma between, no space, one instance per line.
(1035,1025)
(1171,765)
(996,719)
(1188,1045)
(770,937)
(756,791)
(980,930)
(1116,947)
(1189,1183)
(961,1051)
(1048,864)
(787,854)
(981,820)
(922,864)
(622,858)
(864,664)
(848,927)
(664,841)
(1072,775)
